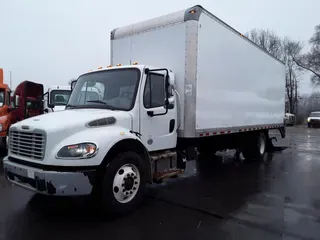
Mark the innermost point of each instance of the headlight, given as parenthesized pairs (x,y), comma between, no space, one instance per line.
(308,119)
(80,150)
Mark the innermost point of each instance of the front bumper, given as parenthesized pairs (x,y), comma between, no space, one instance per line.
(314,122)
(60,183)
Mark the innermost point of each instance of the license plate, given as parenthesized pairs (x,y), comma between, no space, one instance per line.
(30,174)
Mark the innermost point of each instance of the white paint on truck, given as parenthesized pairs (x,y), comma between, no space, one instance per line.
(199,87)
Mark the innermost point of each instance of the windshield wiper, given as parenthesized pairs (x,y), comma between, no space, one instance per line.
(102,102)
(69,105)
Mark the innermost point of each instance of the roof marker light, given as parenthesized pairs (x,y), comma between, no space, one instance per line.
(109,66)
(118,64)
(135,63)
(99,67)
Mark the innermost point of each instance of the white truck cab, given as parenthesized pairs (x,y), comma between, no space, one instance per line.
(56,98)
(109,116)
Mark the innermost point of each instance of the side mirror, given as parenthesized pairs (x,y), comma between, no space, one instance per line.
(73,84)
(171,78)
(46,110)
(17,101)
(171,103)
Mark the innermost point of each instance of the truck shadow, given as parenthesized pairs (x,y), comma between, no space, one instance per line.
(214,188)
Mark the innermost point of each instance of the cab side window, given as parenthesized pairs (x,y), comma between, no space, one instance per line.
(7,97)
(154,92)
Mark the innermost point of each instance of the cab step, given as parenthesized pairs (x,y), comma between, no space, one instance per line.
(159,177)
(164,165)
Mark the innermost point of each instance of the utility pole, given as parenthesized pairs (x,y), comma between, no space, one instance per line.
(10,80)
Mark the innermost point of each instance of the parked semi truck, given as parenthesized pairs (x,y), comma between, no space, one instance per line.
(179,84)
(56,98)
(5,113)
(290,119)
(25,102)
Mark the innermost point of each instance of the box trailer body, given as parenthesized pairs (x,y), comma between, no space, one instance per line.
(226,82)
(181,84)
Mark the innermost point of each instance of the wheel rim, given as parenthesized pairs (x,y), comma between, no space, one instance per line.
(126,183)
(262,145)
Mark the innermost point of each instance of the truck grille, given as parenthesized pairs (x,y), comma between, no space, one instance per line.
(27,144)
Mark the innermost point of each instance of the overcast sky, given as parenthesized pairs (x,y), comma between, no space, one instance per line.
(52,41)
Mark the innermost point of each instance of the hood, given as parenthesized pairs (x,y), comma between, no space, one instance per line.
(59,108)
(315,118)
(72,120)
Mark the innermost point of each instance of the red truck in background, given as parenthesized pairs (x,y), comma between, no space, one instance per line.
(5,109)
(26,101)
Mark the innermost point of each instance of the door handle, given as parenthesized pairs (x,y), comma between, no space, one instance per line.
(150,113)
(171,125)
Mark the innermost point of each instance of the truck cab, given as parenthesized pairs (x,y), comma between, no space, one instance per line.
(56,98)
(5,110)
(290,119)
(115,117)
(26,102)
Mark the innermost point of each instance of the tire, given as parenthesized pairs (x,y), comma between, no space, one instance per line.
(309,125)
(122,184)
(257,149)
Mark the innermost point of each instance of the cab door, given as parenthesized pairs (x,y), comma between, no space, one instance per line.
(158,126)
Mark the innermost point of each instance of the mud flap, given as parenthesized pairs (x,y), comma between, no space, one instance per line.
(282,131)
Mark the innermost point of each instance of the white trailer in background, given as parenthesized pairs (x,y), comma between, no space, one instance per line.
(56,98)
(199,85)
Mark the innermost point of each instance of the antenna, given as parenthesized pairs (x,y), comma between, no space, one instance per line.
(10,80)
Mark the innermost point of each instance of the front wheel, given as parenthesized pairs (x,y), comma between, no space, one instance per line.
(123,184)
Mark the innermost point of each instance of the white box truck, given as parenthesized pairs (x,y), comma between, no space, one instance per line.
(178,84)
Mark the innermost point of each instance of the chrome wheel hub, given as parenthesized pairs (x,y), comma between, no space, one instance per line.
(126,183)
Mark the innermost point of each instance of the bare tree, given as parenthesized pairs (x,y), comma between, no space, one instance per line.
(285,50)
(71,80)
(267,40)
(311,60)
(289,50)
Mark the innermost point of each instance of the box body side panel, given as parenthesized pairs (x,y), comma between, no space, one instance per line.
(237,83)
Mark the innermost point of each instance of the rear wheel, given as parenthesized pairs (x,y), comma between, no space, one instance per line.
(309,125)
(256,149)
(123,183)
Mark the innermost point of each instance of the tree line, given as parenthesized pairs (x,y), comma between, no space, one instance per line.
(296,61)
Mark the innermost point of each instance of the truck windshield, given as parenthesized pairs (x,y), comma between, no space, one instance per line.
(1,97)
(110,89)
(315,114)
(59,97)
(33,104)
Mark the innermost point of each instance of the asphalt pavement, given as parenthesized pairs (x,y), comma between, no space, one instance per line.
(278,198)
